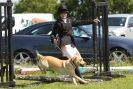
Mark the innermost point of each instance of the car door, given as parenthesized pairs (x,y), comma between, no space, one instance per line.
(129,32)
(83,41)
(44,45)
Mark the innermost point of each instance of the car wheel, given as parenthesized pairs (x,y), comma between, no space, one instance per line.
(118,55)
(22,57)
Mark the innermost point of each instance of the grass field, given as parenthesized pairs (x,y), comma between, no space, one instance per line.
(125,82)
(115,83)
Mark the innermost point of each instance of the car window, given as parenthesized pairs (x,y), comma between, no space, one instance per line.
(130,22)
(117,21)
(78,31)
(87,28)
(42,30)
(75,31)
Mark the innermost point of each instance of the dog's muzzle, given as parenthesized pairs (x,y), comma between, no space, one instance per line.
(82,62)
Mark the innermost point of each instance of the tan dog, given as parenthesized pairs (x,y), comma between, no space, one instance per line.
(65,66)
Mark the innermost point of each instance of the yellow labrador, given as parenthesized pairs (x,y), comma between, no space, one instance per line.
(62,66)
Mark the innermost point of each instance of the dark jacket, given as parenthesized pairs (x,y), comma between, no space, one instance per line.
(63,31)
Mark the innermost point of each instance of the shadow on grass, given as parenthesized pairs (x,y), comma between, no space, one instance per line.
(105,78)
(24,85)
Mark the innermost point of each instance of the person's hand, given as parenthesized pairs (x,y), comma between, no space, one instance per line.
(96,20)
(55,42)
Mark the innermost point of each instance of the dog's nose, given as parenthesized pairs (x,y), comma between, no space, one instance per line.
(83,63)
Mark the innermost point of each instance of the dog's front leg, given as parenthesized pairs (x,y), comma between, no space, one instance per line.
(80,79)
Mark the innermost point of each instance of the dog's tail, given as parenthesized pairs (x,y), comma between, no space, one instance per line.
(38,58)
(38,55)
(37,52)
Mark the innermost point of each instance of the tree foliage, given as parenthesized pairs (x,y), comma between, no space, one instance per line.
(79,9)
(121,6)
(36,6)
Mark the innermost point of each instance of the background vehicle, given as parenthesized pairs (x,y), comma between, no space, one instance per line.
(23,20)
(121,24)
(36,37)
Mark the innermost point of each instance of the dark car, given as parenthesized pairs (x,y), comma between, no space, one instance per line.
(37,37)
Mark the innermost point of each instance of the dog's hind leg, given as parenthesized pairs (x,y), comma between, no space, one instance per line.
(43,70)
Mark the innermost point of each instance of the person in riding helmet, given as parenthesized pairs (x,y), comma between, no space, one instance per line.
(62,37)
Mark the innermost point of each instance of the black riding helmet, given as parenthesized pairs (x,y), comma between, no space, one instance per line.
(62,8)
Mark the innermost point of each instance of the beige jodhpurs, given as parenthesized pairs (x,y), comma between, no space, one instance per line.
(69,51)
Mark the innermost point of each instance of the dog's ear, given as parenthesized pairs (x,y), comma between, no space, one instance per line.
(73,58)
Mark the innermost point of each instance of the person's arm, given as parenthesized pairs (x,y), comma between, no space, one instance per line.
(85,22)
(54,33)
(82,22)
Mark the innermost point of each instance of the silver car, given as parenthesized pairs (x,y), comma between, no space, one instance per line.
(121,24)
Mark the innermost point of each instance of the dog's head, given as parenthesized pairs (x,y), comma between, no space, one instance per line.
(78,61)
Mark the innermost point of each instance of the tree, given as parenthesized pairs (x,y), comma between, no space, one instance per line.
(36,6)
(121,6)
(79,9)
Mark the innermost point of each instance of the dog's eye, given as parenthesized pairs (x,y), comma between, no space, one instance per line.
(80,60)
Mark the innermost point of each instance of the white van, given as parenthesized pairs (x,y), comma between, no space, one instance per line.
(23,20)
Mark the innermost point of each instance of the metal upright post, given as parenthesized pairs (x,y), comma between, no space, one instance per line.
(100,52)
(9,27)
(106,38)
(94,32)
(6,54)
(105,52)
(1,60)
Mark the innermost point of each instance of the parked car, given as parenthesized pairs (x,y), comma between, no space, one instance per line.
(121,24)
(37,37)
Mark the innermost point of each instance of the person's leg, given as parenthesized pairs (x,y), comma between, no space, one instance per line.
(70,52)
(76,52)
(77,72)
(67,51)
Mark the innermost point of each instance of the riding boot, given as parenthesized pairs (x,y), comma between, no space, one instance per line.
(77,72)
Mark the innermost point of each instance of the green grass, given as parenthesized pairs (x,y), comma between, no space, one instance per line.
(116,83)
(125,63)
